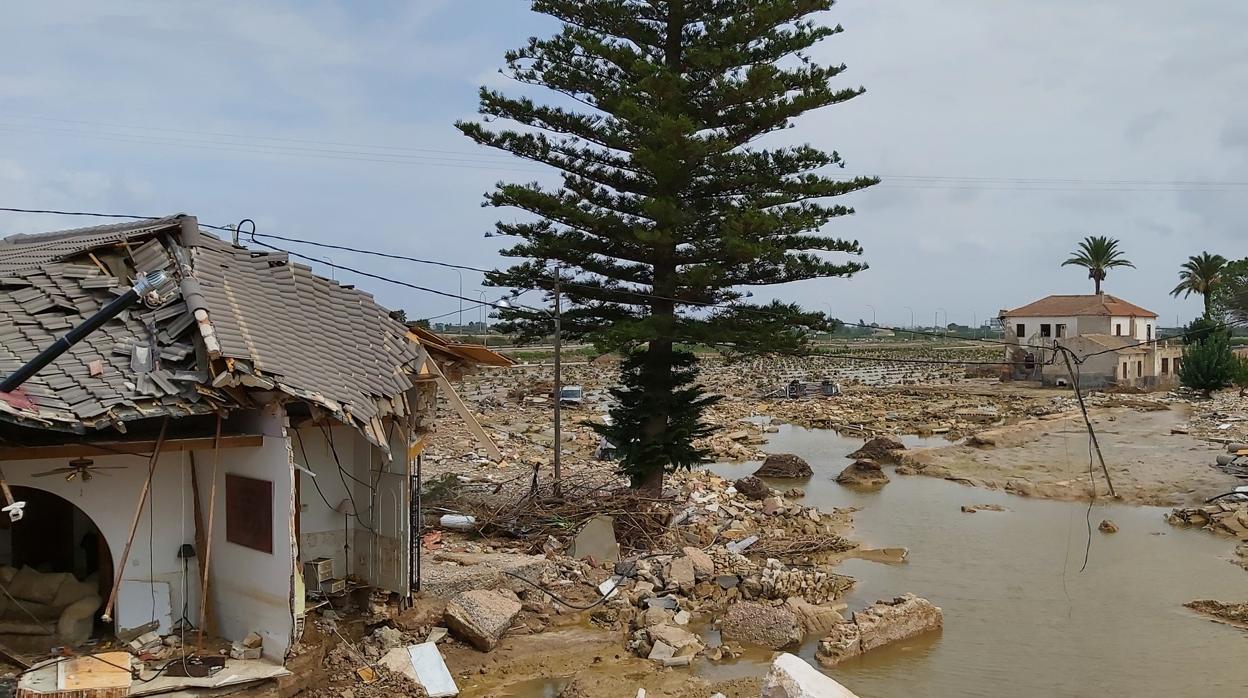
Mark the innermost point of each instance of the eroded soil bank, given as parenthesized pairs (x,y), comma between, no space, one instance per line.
(1049,457)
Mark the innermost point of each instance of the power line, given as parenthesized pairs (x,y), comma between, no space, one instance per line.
(477,301)
(399,154)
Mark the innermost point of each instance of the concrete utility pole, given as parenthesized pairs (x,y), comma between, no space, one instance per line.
(558,388)
(872,307)
(911,315)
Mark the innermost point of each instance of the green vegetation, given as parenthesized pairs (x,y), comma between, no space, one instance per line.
(1208,363)
(667,205)
(1201,274)
(1098,255)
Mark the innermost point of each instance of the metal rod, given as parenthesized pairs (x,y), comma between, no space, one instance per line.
(419,526)
(107,616)
(1074,381)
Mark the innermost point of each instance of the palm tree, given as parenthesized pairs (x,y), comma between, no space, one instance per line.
(1098,254)
(1201,274)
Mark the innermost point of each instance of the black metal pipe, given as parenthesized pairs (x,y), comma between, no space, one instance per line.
(141,287)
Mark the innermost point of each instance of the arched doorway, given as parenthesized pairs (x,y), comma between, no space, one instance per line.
(55,536)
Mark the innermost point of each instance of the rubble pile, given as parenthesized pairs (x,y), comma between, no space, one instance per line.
(1224,517)
(813,585)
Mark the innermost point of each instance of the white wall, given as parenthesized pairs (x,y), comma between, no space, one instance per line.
(1141,328)
(254,590)
(110,502)
(321,528)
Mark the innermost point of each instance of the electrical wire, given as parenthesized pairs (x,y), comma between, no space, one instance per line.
(478,302)
(399,154)
(355,510)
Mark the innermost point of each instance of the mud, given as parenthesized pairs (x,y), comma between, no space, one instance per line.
(1050,458)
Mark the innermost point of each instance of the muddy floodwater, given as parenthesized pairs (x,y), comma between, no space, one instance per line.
(1021,619)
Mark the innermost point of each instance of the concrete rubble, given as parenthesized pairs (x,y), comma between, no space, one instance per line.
(791,677)
(877,625)
(481,617)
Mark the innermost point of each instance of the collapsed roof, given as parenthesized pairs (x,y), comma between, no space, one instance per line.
(244,320)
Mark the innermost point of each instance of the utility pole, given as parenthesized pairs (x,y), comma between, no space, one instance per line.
(558,389)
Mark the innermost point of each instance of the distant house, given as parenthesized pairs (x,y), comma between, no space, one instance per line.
(1115,340)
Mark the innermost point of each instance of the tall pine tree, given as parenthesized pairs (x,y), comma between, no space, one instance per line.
(669,206)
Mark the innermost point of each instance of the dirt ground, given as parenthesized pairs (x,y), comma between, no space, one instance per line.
(1048,457)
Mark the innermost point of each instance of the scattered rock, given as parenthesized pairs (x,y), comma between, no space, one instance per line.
(703,564)
(773,627)
(1107,526)
(792,677)
(878,449)
(972,508)
(678,638)
(784,465)
(772,505)
(680,573)
(481,617)
(1234,613)
(751,487)
(863,473)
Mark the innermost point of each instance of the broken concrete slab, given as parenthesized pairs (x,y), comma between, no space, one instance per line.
(661,650)
(481,617)
(791,677)
(881,623)
(596,540)
(447,580)
(773,627)
(424,665)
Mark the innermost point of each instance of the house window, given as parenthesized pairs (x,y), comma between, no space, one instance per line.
(1061,330)
(1176,364)
(1148,332)
(1020,330)
(1139,369)
(1165,364)
(249,512)
(1124,369)
(1046,330)
(1118,329)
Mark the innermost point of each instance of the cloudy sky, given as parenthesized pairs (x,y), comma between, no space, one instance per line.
(1005,131)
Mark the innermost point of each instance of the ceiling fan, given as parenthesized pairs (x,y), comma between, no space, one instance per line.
(84,468)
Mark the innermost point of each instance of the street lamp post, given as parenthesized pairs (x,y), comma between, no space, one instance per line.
(872,307)
(946,312)
(911,315)
(461,299)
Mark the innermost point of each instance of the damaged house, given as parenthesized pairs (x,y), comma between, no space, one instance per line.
(242,418)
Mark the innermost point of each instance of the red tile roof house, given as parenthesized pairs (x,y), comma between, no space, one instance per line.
(1115,340)
(278,411)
